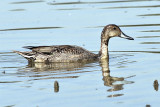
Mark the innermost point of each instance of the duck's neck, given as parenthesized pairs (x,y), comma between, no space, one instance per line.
(104,49)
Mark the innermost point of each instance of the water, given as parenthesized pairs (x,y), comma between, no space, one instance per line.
(134,65)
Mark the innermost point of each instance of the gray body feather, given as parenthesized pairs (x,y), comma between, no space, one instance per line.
(58,53)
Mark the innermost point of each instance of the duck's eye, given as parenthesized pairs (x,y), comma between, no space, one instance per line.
(114,28)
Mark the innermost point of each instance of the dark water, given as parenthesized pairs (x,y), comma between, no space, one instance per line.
(134,65)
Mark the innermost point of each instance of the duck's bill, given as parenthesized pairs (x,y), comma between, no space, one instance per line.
(125,36)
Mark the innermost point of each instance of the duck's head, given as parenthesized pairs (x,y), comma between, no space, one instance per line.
(113,30)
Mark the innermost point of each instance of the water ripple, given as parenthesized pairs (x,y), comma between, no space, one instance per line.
(31,28)
(17,10)
(148,37)
(150,42)
(120,7)
(149,15)
(151,31)
(138,51)
(101,2)
(134,25)
(24,2)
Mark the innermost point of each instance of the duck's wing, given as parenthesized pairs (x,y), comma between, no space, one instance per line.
(57,49)
(40,49)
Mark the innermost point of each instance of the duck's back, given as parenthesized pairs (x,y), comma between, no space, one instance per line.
(59,53)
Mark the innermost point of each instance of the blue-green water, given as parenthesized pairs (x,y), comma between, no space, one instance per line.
(52,22)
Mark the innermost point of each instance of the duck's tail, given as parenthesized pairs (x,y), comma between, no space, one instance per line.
(27,55)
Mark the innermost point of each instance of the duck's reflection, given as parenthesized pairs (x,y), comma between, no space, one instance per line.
(116,83)
(58,66)
(110,80)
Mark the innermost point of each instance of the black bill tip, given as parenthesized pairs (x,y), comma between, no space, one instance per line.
(130,38)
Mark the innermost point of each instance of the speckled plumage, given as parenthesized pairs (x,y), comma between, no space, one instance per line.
(69,53)
(58,53)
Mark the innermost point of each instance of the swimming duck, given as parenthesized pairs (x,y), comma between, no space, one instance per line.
(70,53)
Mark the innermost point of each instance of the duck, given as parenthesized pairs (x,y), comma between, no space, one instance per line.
(73,53)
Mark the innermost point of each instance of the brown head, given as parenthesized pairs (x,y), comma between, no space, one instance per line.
(113,30)
(108,32)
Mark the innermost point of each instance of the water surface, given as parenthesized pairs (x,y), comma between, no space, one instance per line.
(134,65)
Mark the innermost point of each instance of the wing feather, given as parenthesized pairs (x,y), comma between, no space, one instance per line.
(57,49)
